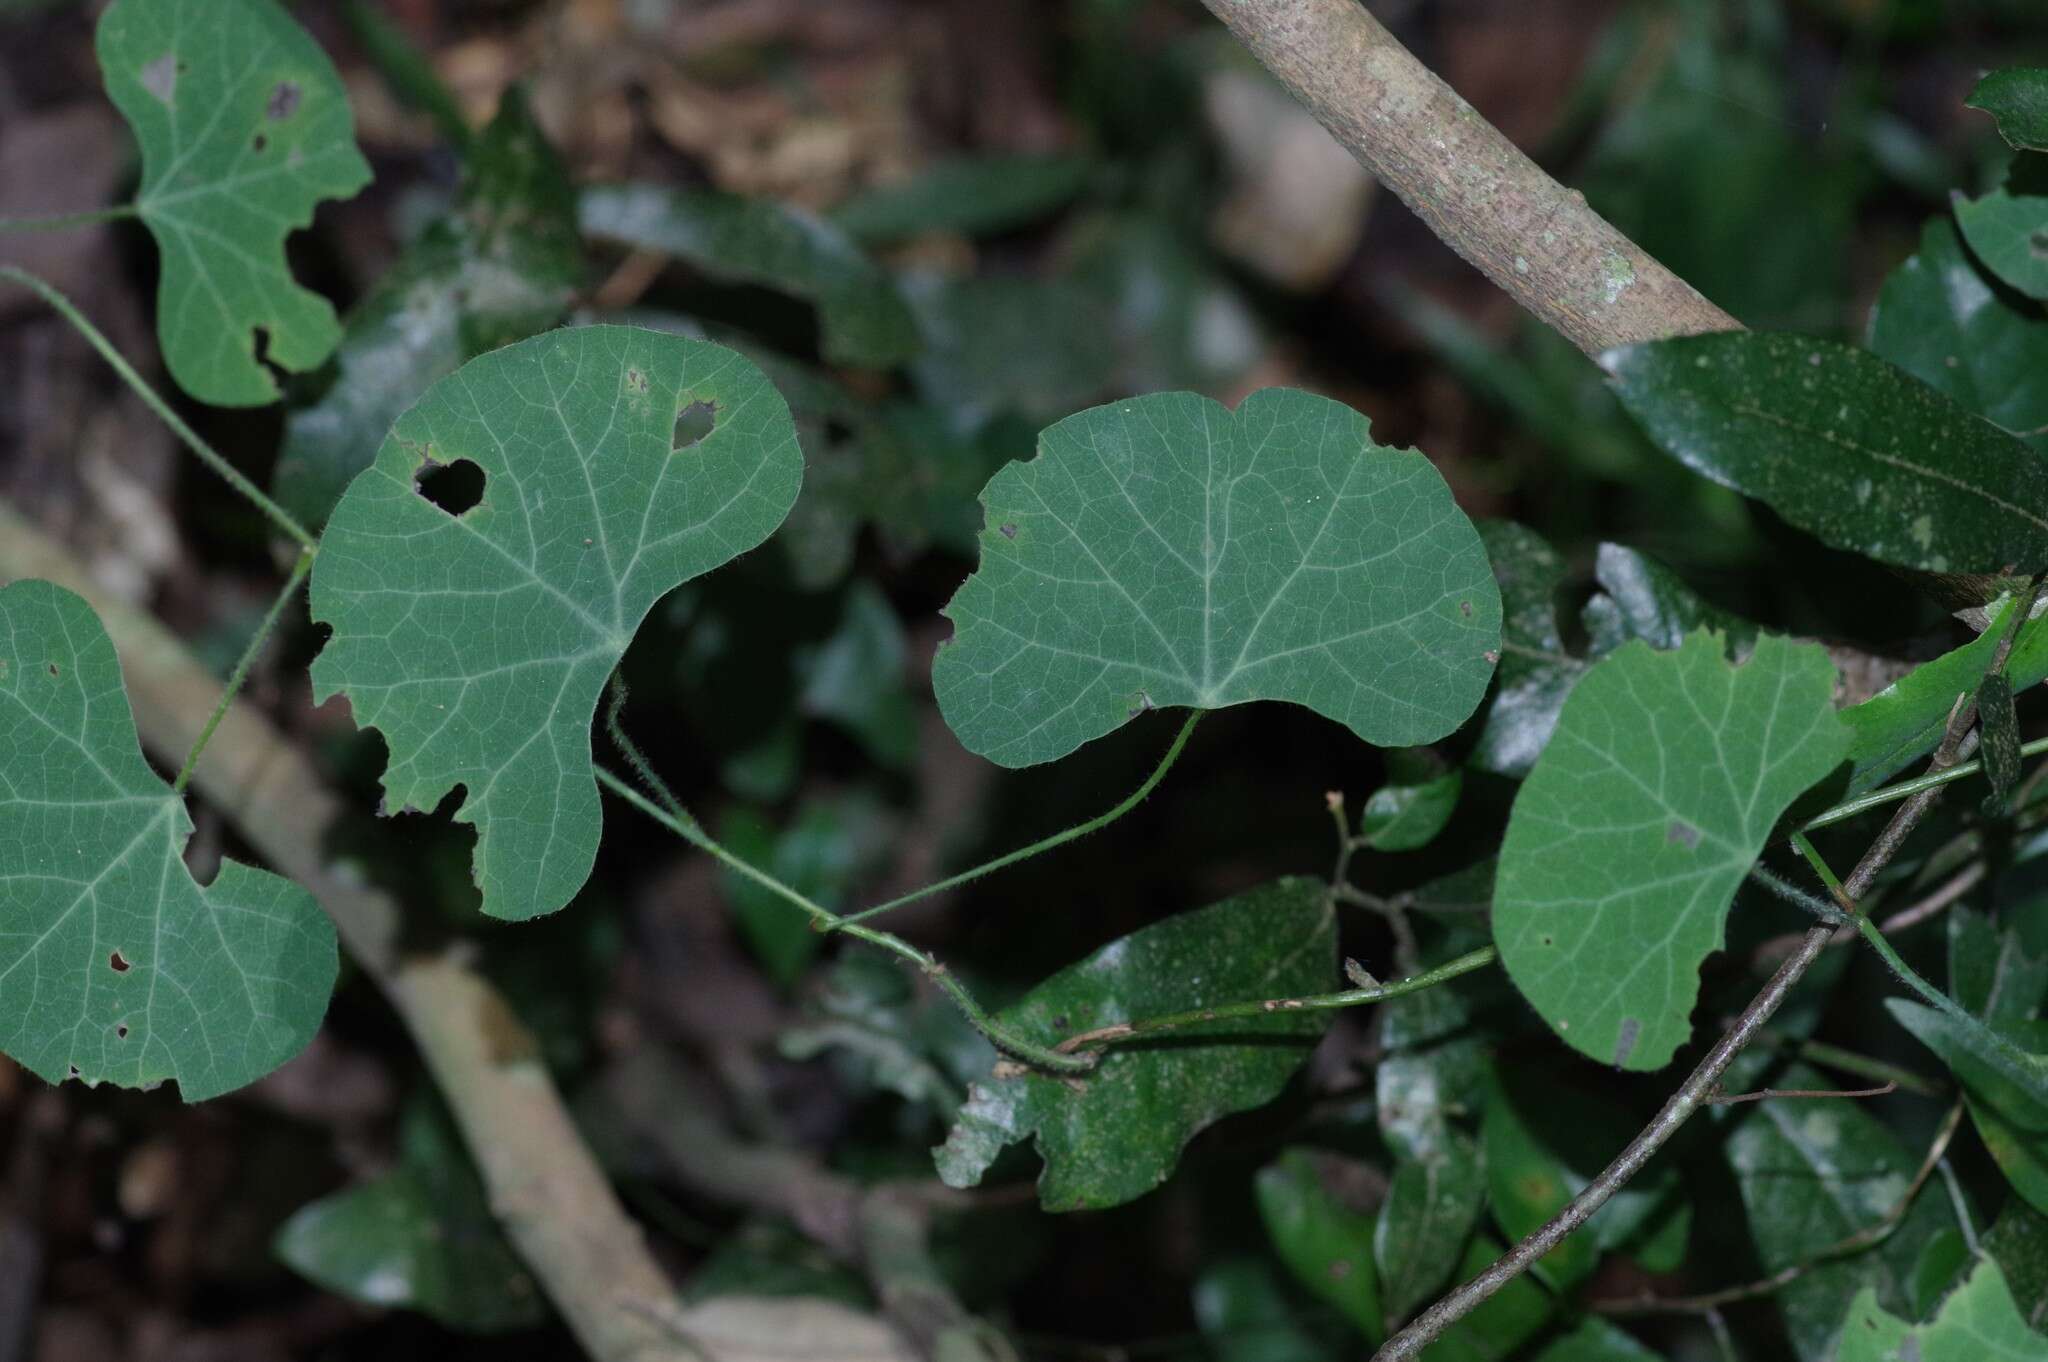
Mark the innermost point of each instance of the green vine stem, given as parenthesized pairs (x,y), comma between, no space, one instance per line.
(64,222)
(240,674)
(1058,839)
(1906,789)
(283,519)
(1322,1002)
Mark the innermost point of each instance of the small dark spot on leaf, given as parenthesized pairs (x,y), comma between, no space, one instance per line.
(160,77)
(636,382)
(2038,244)
(1007,531)
(1059,1023)
(54,671)
(454,487)
(259,142)
(693,423)
(1466,606)
(1548,941)
(118,962)
(1625,1043)
(1682,833)
(1340,1268)
(284,101)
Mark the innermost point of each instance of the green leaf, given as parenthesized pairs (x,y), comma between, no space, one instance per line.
(972,195)
(479,643)
(1641,598)
(862,317)
(1502,1323)
(885,1038)
(1325,1244)
(1842,445)
(1593,1339)
(2008,227)
(244,128)
(985,351)
(1999,726)
(1904,721)
(1243,1307)
(1943,319)
(117,966)
(1432,1205)
(1116,1133)
(496,269)
(855,679)
(1405,817)
(2006,1083)
(825,847)
(1166,551)
(421,1237)
(2018,98)
(2018,1243)
(1810,1175)
(1629,839)
(1991,972)
(1540,1153)
(1977,1323)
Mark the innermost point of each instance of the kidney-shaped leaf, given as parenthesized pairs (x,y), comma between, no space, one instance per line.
(1630,837)
(244,128)
(478,642)
(1843,445)
(1115,1133)
(1977,1323)
(115,965)
(1166,551)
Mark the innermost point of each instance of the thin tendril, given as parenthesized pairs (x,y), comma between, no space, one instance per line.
(64,222)
(241,671)
(280,517)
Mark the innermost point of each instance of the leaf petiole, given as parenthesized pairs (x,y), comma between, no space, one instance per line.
(64,222)
(248,660)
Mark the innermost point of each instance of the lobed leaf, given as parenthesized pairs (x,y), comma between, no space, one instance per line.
(1628,840)
(479,642)
(115,964)
(1166,551)
(244,127)
(1843,445)
(1978,1322)
(1116,1133)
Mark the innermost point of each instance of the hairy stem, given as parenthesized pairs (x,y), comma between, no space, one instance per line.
(1536,239)
(211,457)
(240,674)
(64,222)
(1058,839)
(1906,789)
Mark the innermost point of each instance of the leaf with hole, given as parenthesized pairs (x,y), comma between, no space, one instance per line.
(2018,98)
(419,1237)
(1977,1323)
(477,638)
(1116,1132)
(244,128)
(1627,842)
(862,317)
(496,268)
(1167,551)
(118,966)
(1325,1243)
(1843,445)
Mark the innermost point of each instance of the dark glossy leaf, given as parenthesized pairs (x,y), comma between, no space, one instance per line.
(1810,1175)
(1432,1205)
(1629,839)
(1326,1244)
(862,317)
(1999,726)
(1904,721)
(1843,445)
(1977,1323)
(245,128)
(2018,1243)
(1167,552)
(497,268)
(970,194)
(421,1237)
(1640,598)
(1117,1132)
(1943,319)
(1405,817)
(2008,227)
(1535,673)
(1593,1339)
(1247,1316)
(1990,970)
(1541,1152)
(2018,98)
(823,849)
